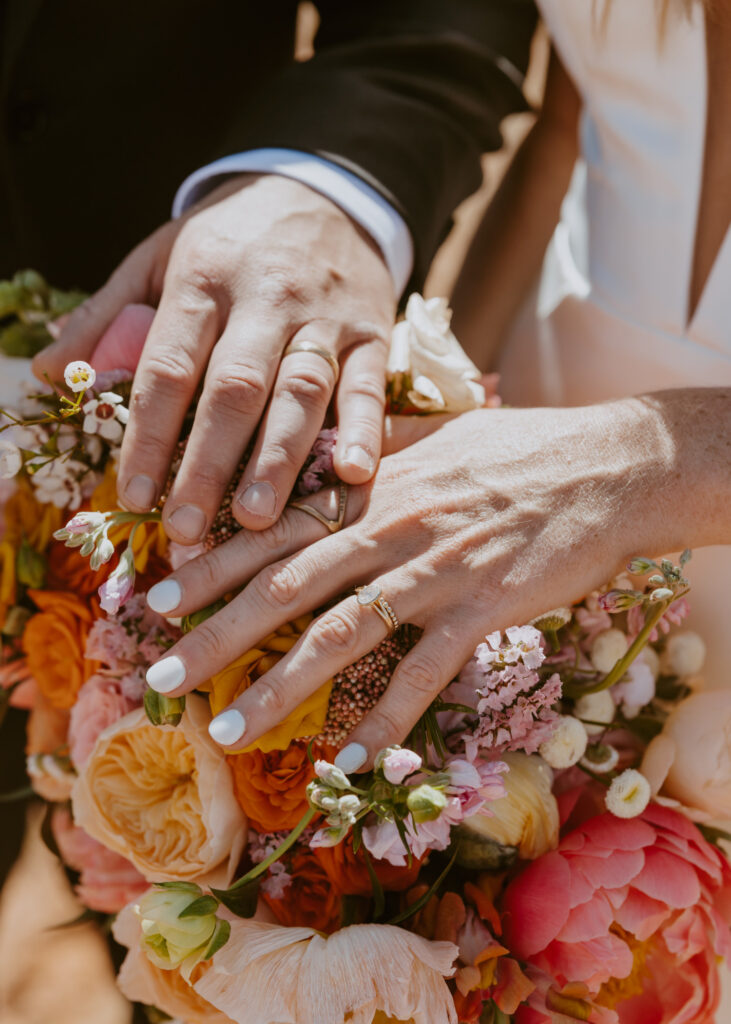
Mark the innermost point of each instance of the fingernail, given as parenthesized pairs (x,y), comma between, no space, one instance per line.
(189,521)
(260,499)
(166,675)
(351,758)
(141,491)
(164,596)
(228,727)
(357,456)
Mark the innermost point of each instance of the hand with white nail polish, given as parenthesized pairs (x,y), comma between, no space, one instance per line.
(232,293)
(485,522)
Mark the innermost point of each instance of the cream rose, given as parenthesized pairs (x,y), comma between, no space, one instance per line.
(163,797)
(427,358)
(690,761)
(527,816)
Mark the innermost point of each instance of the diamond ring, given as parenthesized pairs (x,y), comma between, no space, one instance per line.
(372,596)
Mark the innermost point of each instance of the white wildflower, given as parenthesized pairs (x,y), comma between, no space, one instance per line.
(684,654)
(600,758)
(567,744)
(79,376)
(106,416)
(11,459)
(628,795)
(59,483)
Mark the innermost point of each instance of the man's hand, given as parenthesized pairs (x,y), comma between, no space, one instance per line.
(264,262)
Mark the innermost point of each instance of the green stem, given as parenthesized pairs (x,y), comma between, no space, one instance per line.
(619,669)
(291,839)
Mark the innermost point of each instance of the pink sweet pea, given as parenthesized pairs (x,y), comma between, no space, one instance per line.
(398,763)
(623,923)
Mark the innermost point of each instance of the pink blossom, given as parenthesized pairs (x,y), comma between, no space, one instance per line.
(592,621)
(476,783)
(114,592)
(108,882)
(641,904)
(99,704)
(277,882)
(673,616)
(383,842)
(321,467)
(110,643)
(399,763)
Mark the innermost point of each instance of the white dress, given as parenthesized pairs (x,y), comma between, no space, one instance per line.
(610,315)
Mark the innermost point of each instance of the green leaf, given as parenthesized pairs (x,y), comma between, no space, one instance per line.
(201,907)
(16,795)
(219,938)
(189,622)
(241,900)
(23,341)
(162,710)
(416,907)
(190,887)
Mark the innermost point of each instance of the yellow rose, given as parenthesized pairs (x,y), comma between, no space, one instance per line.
(163,798)
(179,926)
(306,720)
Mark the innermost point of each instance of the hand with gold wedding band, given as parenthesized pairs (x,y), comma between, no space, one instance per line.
(496,517)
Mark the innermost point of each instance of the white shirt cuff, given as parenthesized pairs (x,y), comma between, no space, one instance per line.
(367,208)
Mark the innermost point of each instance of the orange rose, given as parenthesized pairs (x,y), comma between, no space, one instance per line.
(54,642)
(347,871)
(270,788)
(311,901)
(24,518)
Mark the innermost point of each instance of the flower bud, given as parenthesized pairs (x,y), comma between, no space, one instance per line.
(101,554)
(16,620)
(426,803)
(641,566)
(684,654)
(30,566)
(549,622)
(162,710)
(567,744)
(331,775)
(628,795)
(179,926)
(608,647)
(600,758)
(397,763)
(619,600)
(596,710)
(661,594)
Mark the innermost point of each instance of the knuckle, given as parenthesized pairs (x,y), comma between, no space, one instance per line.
(237,389)
(277,537)
(419,674)
(211,641)
(307,387)
(281,287)
(270,696)
(279,585)
(386,723)
(369,387)
(169,367)
(334,633)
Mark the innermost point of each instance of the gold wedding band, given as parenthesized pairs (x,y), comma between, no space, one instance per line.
(316,350)
(372,596)
(333,525)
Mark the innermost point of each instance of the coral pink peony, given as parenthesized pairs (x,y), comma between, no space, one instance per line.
(108,881)
(623,923)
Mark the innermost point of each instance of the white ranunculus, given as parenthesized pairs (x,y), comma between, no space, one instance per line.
(425,351)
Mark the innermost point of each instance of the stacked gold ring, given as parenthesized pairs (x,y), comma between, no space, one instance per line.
(315,350)
(372,596)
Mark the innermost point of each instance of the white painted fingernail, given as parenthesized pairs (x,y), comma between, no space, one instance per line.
(165,596)
(357,456)
(166,675)
(228,727)
(351,758)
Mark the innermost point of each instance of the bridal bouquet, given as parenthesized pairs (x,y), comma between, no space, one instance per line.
(540,849)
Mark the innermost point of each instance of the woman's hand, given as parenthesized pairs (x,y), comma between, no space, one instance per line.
(496,517)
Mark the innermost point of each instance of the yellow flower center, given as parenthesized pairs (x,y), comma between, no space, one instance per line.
(618,989)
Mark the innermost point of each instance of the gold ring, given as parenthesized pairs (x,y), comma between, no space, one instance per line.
(372,596)
(316,350)
(333,525)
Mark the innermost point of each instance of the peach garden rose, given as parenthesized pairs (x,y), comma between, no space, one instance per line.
(163,797)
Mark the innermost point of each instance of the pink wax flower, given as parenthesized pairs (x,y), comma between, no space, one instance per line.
(475,784)
(108,882)
(673,616)
(120,586)
(100,703)
(623,923)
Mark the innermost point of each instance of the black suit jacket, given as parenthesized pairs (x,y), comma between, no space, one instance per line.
(107,105)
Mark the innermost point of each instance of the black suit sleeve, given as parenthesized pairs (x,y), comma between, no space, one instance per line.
(405,93)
